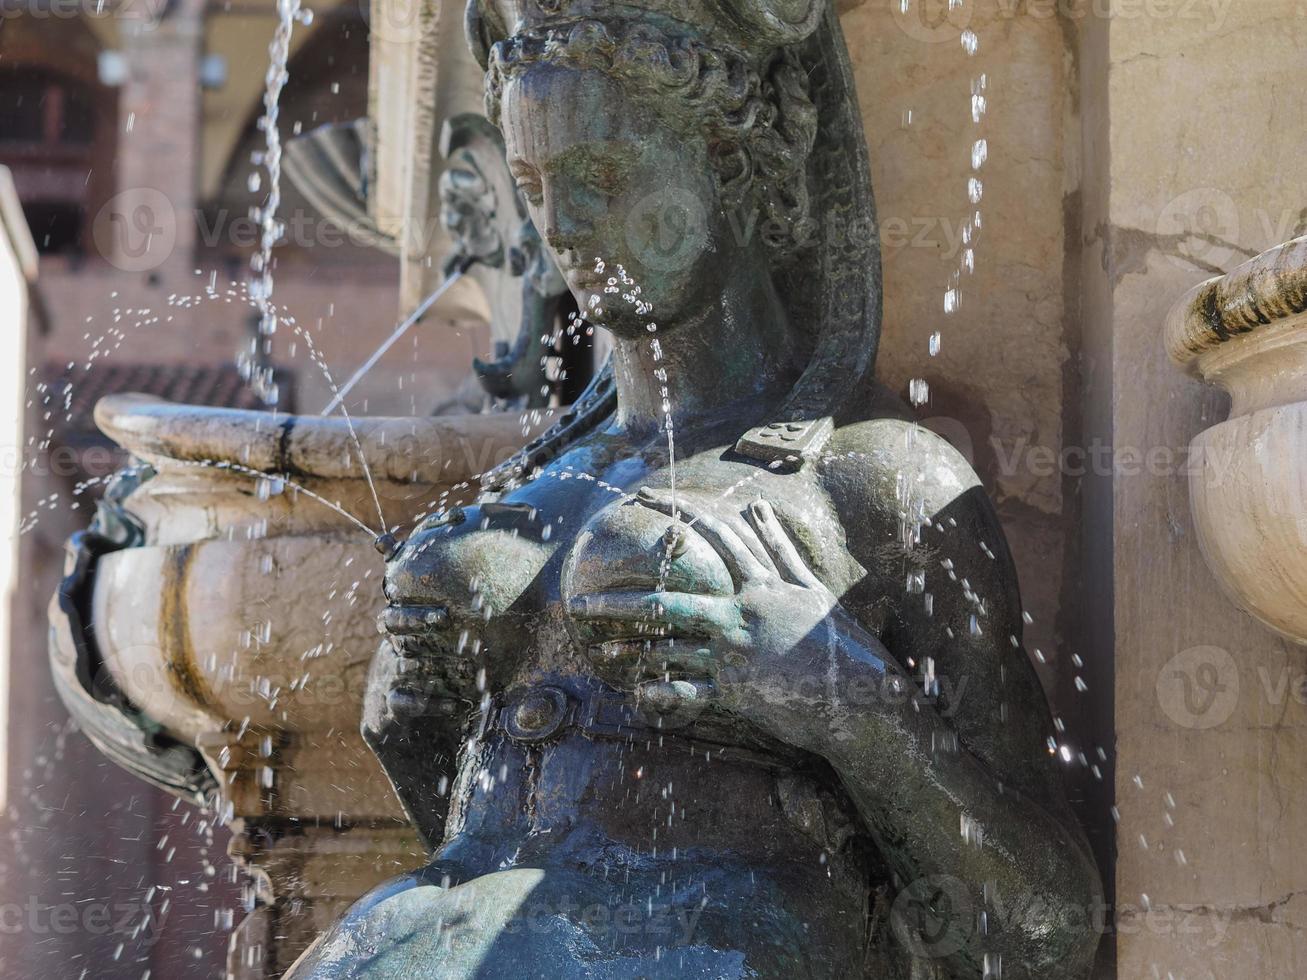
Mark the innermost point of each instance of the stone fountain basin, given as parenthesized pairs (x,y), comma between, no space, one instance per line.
(1247,332)
(1249,501)
(245,619)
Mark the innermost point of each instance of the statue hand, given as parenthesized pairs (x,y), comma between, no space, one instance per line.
(773,652)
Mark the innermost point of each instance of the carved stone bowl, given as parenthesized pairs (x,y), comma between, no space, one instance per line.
(1247,332)
(243,618)
(217,623)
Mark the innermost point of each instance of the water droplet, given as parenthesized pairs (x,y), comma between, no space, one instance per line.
(918,392)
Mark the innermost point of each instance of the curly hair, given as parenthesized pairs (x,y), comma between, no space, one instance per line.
(760,124)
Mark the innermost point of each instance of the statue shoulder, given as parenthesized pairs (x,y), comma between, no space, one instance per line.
(878,469)
(885,454)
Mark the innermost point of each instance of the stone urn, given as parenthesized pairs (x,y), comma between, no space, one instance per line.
(217,622)
(1247,332)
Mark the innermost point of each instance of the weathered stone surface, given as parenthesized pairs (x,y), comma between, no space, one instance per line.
(240,620)
(1203,170)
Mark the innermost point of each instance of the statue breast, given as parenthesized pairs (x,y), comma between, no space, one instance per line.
(476,564)
(624,547)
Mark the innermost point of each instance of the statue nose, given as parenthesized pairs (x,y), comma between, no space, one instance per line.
(565,231)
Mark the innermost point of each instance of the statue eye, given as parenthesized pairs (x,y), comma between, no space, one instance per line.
(528,182)
(531,190)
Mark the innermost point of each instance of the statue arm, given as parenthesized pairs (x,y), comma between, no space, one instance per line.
(948,824)
(973,741)
(947,802)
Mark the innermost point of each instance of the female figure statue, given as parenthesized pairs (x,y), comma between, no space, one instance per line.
(734,663)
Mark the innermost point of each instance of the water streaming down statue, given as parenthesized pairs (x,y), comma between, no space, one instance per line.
(767,715)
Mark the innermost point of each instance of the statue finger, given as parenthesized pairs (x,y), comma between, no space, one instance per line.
(781,545)
(679,613)
(665,696)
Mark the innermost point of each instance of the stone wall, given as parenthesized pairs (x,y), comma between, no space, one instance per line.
(1205,144)
(1135,147)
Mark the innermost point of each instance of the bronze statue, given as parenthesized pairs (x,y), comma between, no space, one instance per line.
(723,676)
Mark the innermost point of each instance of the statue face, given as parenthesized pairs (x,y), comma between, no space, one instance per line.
(608,179)
(467,210)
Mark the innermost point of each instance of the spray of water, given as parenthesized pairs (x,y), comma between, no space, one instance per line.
(340,394)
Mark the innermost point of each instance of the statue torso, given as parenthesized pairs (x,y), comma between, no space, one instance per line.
(588,835)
